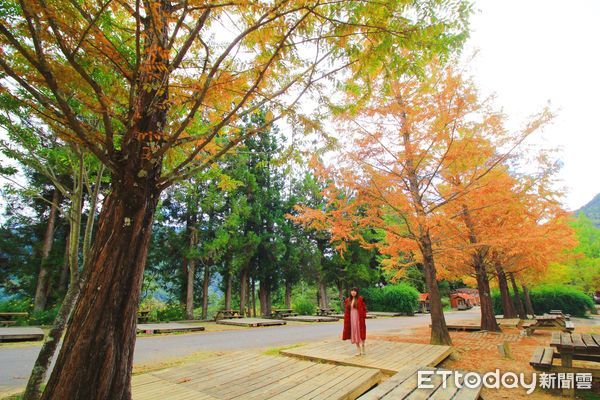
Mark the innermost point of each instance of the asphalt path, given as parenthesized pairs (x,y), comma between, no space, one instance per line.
(16,362)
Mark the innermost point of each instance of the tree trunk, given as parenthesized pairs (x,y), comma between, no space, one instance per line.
(528,303)
(508,308)
(189,292)
(518,301)
(253,286)
(41,289)
(262,296)
(488,319)
(243,291)
(323,299)
(44,358)
(102,328)
(183,273)
(439,330)
(205,285)
(288,294)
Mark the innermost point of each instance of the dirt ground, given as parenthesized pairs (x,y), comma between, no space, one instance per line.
(478,351)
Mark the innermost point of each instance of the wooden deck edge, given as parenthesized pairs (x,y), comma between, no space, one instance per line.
(375,379)
(22,337)
(290,353)
(441,357)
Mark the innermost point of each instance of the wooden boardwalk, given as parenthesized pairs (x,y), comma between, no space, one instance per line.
(252,322)
(255,376)
(403,385)
(385,314)
(168,327)
(21,334)
(389,357)
(311,318)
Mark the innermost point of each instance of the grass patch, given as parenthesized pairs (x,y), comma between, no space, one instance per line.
(173,362)
(275,351)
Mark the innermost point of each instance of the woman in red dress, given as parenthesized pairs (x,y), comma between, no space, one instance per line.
(355,316)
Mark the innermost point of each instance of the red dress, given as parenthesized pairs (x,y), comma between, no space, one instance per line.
(362,313)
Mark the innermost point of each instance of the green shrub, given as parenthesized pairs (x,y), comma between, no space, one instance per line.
(171,312)
(392,298)
(304,307)
(44,317)
(551,297)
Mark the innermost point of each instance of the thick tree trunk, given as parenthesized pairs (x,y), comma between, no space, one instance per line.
(103,325)
(488,318)
(189,291)
(508,309)
(41,289)
(323,299)
(288,294)
(439,330)
(528,303)
(262,296)
(518,301)
(205,285)
(253,298)
(243,291)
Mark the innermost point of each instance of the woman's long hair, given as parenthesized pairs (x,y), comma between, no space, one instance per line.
(355,298)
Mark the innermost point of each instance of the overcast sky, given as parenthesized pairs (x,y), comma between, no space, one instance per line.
(535,51)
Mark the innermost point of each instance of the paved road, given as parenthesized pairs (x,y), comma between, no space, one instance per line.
(16,363)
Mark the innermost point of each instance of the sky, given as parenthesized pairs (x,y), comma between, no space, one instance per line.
(537,52)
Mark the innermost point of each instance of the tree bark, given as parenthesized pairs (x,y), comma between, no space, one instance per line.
(517,296)
(288,294)
(243,290)
(323,299)
(41,289)
(253,286)
(64,274)
(508,309)
(262,296)
(528,303)
(205,285)
(103,325)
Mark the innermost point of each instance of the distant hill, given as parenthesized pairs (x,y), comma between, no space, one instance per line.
(592,210)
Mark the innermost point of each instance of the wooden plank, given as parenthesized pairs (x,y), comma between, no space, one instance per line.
(536,357)
(548,356)
(251,322)
(341,376)
(578,343)
(447,390)
(388,385)
(168,328)
(311,318)
(21,333)
(592,346)
(555,341)
(565,341)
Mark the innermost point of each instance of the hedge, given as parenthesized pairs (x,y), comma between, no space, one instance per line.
(392,298)
(551,297)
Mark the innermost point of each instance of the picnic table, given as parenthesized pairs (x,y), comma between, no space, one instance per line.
(549,322)
(569,347)
(325,311)
(143,316)
(282,313)
(227,314)
(8,318)
(560,313)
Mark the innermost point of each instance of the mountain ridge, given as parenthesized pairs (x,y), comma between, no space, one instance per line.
(592,210)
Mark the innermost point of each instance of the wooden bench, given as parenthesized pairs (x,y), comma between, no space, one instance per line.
(227,314)
(548,322)
(325,311)
(143,316)
(542,358)
(560,313)
(8,318)
(278,313)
